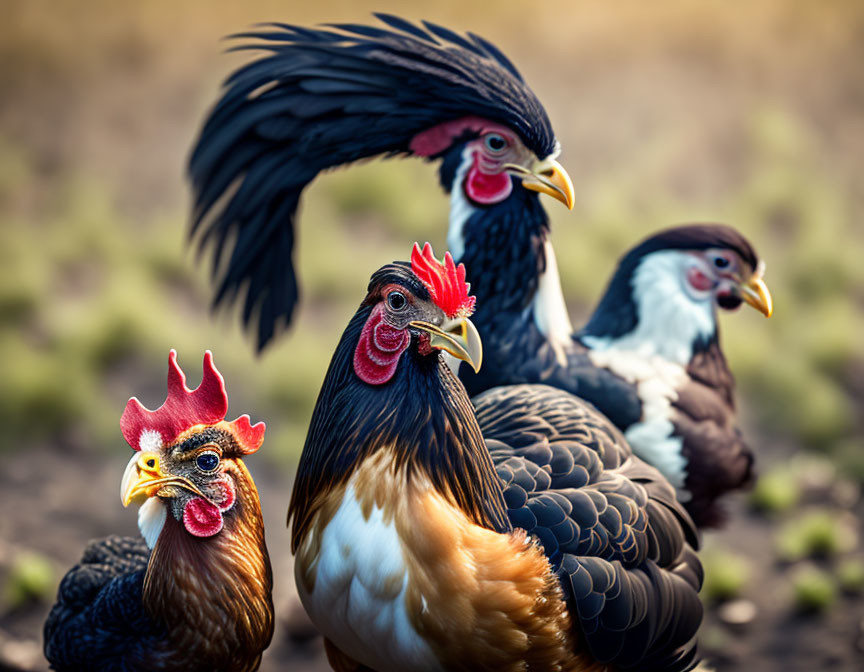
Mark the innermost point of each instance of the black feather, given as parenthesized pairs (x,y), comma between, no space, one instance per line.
(621,545)
(309,105)
(98,623)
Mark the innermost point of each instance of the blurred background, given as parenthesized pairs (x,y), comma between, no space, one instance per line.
(668,112)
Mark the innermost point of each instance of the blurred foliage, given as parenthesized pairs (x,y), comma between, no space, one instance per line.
(30,577)
(726,574)
(813,589)
(817,533)
(776,491)
(850,575)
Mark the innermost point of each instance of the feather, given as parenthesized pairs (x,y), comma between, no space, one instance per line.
(620,543)
(319,92)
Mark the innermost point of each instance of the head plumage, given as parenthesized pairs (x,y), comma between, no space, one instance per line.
(445,281)
(207,404)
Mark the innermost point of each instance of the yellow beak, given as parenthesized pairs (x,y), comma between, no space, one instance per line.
(755,292)
(458,337)
(547,177)
(144,478)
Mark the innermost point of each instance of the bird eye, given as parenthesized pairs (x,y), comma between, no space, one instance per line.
(721,262)
(494,142)
(396,300)
(207,461)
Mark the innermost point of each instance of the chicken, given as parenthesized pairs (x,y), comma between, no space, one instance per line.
(515,533)
(194,592)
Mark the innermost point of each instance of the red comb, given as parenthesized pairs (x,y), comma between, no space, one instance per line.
(445,282)
(185,408)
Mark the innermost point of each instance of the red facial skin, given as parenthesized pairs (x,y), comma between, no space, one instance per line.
(202,518)
(379,349)
(486,182)
(486,188)
(723,282)
(698,280)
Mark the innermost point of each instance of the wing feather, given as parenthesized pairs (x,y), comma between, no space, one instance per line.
(622,546)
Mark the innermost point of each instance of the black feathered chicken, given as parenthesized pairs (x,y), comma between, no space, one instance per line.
(519,533)
(326,97)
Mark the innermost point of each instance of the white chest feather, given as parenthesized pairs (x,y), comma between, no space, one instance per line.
(656,381)
(358,598)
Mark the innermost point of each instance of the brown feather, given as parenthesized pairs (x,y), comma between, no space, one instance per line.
(214,594)
(481,599)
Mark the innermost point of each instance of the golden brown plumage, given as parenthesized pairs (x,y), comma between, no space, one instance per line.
(224,584)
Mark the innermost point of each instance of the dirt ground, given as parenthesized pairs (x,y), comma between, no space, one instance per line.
(778,638)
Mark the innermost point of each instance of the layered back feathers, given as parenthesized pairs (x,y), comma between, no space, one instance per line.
(322,98)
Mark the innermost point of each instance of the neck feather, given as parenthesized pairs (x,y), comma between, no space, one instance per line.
(214,594)
(423,416)
(645,309)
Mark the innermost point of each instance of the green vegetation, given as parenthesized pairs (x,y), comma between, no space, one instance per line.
(726,575)
(818,533)
(30,577)
(776,491)
(850,575)
(813,589)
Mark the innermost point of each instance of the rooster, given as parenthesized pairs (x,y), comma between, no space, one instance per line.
(323,98)
(194,592)
(514,532)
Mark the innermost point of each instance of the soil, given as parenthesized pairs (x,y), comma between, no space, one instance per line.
(82,503)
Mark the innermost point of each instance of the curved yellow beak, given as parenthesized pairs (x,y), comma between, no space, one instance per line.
(144,478)
(755,292)
(458,337)
(547,177)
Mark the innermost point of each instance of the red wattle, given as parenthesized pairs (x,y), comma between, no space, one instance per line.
(201,518)
(379,349)
(487,188)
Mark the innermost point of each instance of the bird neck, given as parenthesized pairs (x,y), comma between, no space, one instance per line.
(214,594)
(422,417)
(506,250)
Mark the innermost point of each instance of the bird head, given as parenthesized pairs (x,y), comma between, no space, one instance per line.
(666,290)
(188,458)
(422,307)
(490,159)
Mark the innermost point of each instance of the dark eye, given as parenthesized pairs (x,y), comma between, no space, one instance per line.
(207,461)
(396,300)
(721,262)
(495,142)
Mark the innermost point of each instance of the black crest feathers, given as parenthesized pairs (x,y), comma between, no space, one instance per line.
(321,98)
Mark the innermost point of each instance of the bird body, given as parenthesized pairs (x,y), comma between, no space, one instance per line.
(522,535)
(194,592)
